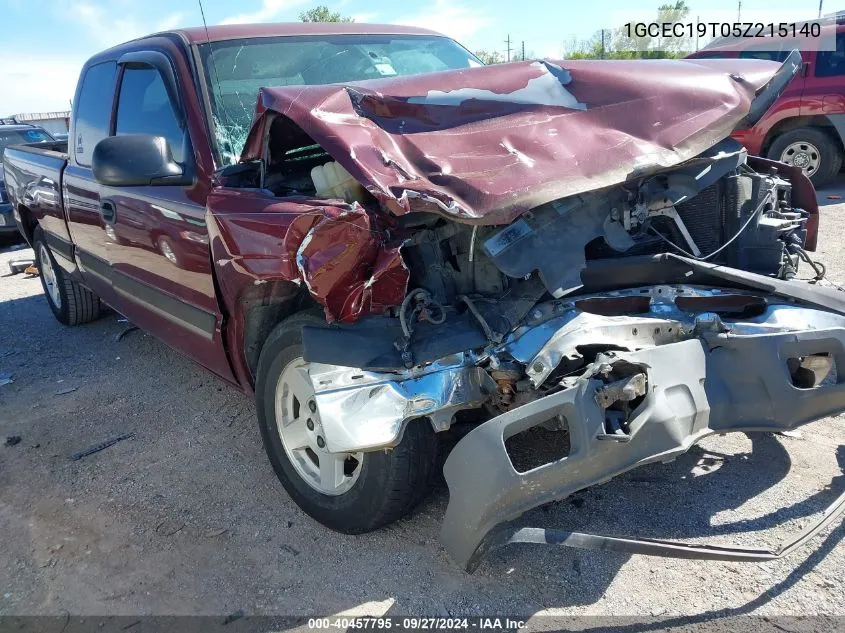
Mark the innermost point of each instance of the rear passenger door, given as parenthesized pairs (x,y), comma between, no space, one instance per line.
(159,252)
(824,92)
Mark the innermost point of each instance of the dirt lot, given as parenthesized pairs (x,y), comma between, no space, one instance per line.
(187,517)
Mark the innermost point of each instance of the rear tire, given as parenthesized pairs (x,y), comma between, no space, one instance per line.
(389,484)
(809,148)
(71,302)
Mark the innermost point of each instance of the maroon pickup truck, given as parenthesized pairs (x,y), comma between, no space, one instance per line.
(392,245)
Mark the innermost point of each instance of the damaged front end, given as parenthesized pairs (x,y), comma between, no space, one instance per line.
(573,254)
(591,386)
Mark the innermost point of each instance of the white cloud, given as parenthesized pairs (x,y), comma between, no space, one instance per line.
(107,29)
(458,21)
(548,50)
(37,84)
(269,9)
(46,82)
(171,21)
(364,17)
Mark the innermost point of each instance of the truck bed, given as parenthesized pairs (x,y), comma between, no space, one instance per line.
(33,174)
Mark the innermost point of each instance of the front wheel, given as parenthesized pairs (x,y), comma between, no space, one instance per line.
(810,149)
(347,492)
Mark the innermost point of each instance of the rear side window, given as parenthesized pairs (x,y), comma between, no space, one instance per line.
(832,63)
(93,112)
(144,107)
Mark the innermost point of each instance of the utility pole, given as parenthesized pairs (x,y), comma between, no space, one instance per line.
(523,50)
(508,42)
(820,7)
(696,33)
(738,10)
(602,43)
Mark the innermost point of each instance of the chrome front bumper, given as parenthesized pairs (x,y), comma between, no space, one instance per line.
(362,410)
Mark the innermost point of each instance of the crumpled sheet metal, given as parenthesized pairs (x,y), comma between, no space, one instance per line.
(485,144)
(717,384)
(339,252)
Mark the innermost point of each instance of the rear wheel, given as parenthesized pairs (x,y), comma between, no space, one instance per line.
(810,149)
(71,302)
(347,492)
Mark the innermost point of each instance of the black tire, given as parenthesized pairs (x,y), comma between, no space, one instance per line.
(830,154)
(391,483)
(78,305)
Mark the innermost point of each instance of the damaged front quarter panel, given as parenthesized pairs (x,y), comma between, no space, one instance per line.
(340,253)
(272,256)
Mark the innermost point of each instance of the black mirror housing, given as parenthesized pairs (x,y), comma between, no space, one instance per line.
(135,160)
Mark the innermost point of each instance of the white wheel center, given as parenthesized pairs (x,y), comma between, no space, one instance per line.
(301,432)
(803,155)
(45,267)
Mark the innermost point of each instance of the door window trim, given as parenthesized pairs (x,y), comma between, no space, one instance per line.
(75,114)
(156,59)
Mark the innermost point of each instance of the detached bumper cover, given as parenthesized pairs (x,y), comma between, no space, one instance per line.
(718,383)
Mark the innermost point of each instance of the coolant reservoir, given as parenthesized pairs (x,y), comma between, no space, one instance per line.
(333,181)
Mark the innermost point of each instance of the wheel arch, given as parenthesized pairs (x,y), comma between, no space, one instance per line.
(28,222)
(833,126)
(262,308)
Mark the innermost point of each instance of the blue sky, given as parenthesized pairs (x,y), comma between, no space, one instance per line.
(43,43)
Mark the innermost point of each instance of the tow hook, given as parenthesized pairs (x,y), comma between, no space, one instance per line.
(615,400)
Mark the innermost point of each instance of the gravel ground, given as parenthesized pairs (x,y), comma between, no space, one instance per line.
(187,517)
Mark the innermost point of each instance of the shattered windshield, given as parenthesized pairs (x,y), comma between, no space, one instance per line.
(236,69)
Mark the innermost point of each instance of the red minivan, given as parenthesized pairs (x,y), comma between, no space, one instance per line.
(806,125)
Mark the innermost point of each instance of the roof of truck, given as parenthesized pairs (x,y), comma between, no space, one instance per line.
(216,33)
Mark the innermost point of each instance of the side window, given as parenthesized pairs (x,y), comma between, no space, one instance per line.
(711,55)
(775,56)
(93,112)
(832,63)
(144,107)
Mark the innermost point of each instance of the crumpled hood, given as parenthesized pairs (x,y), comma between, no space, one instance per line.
(489,143)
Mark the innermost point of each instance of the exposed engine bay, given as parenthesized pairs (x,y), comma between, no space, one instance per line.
(470,286)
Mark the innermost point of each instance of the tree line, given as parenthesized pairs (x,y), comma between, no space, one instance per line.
(615,43)
(604,43)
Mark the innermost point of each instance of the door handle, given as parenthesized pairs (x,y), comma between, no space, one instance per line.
(108,211)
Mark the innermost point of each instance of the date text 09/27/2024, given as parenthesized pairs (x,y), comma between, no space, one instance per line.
(410,623)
